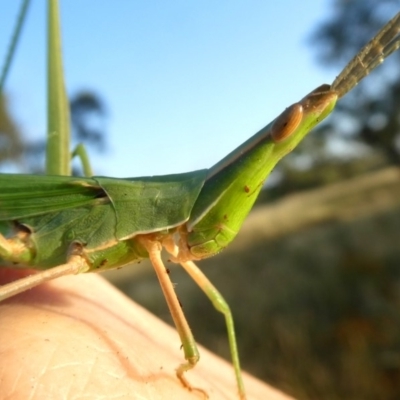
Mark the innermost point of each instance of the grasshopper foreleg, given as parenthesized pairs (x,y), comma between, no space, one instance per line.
(154,248)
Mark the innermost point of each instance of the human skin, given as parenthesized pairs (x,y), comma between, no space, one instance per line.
(78,337)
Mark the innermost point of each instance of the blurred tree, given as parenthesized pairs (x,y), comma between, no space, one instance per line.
(363,133)
(10,135)
(371,112)
(87,116)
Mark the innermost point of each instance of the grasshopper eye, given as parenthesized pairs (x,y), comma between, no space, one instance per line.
(287,122)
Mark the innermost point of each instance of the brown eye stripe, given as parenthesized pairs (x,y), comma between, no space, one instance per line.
(287,122)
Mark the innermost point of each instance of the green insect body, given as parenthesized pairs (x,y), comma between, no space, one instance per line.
(98,223)
(103,216)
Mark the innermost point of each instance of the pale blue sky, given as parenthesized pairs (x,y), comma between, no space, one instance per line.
(185,81)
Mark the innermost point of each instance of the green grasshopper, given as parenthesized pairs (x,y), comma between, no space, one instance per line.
(63,225)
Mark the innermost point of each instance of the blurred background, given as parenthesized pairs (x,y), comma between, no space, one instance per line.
(313,278)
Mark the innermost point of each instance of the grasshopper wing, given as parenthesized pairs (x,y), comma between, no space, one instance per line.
(151,204)
(32,195)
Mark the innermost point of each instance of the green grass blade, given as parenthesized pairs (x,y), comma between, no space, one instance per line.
(58,120)
(14,41)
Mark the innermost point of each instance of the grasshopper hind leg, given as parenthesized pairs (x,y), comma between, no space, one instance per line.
(16,249)
(76,264)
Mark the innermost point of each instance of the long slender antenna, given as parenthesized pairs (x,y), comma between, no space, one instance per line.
(373,53)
